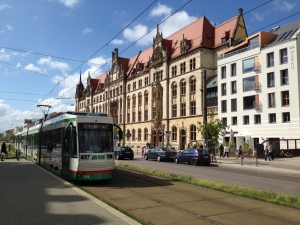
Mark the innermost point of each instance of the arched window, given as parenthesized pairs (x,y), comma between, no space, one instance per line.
(139,134)
(174,90)
(133,134)
(140,99)
(193,85)
(146,134)
(193,132)
(134,101)
(183,87)
(154,94)
(146,98)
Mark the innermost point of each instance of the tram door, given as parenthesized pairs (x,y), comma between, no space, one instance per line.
(67,146)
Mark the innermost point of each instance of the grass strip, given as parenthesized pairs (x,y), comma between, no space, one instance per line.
(266,196)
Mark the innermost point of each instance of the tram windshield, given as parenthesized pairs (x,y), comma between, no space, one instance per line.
(95,137)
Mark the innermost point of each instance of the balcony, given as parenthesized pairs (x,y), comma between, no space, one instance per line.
(239,51)
(257,86)
(257,105)
(256,66)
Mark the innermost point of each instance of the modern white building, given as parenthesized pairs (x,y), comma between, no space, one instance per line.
(258,83)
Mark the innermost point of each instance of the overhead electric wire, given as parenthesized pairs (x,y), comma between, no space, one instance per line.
(160,23)
(193,39)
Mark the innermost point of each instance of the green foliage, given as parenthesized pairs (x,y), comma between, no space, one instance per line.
(247,148)
(211,129)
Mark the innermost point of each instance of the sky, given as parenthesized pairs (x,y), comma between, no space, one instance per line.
(46,44)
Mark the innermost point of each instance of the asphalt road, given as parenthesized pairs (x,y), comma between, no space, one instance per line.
(251,179)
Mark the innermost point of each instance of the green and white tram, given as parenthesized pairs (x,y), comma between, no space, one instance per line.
(74,145)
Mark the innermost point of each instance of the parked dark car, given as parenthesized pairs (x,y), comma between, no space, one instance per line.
(123,153)
(193,156)
(160,154)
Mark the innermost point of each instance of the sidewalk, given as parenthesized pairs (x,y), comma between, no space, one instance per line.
(283,166)
(32,195)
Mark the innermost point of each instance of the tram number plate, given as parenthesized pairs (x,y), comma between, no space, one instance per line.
(86,176)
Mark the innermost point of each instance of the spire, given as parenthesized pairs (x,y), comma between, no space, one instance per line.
(80,77)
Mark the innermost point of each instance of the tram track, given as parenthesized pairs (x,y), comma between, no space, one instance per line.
(159,193)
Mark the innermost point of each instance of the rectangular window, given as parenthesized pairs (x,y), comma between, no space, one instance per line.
(174,71)
(146,115)
(249,83)
(248,65)
(223,89)
(257,119)
(233,87)
(271,79)
(270,58)
(139,116)
(183,109)
(223,72)
(153,113)
(233,105)
(233,69)
(284,77)
(234,121)
(192,64)
(223,106)
(272,118)
(286,117)
(182,68)
(285,98)
(133,117)
(128,117)
(246,120)
(174,110)
(283,56)
(271,97)
(249,102)
(224,119)
(193,108)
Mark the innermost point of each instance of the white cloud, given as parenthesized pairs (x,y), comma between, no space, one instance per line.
(9,27)
(87,30)
(277,6)
(135,33)
(161,10)
(10,118)
(168,27)
(117,41)
(69,3)
(4,56)
(32,67)
(283,6)
(53,64)
(3,6)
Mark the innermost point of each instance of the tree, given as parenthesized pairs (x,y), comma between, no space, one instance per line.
(211,129)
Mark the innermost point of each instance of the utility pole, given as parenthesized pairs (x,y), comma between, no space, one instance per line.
(204,105)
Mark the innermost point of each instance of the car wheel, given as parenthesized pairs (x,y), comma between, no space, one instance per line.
(118,157)
(131,158)
(194,162)
(207,164)
(176,160)
(146,157)
(158,158)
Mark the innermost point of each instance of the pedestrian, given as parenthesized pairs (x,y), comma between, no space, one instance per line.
(3,150)
(143,152)
(267,155)
(221,150)
(240,152)
(271,152)
(226,150)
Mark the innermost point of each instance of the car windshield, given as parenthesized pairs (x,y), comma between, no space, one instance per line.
(202,151)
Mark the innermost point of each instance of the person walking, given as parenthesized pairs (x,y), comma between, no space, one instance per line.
(3,150)
(221,150)
(267,155)
(226,150)
(271,152)
(240,152)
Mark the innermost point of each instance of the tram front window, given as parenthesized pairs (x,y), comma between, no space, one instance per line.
(95,137)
